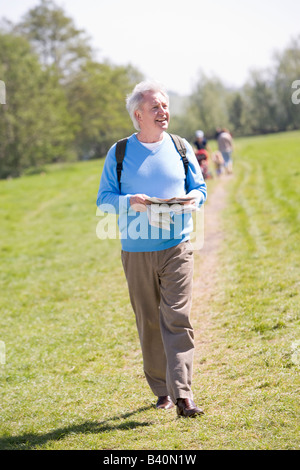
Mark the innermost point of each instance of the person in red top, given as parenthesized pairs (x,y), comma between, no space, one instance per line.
(202,153)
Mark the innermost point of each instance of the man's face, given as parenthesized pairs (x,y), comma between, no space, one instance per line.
(154,113)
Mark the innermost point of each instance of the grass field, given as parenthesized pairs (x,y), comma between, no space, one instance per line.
(71,376)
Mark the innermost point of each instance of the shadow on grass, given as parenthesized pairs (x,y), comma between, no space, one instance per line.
(31,441)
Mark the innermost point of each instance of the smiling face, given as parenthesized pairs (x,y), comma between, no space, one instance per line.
(153,116)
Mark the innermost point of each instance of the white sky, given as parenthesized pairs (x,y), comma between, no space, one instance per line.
(172,40)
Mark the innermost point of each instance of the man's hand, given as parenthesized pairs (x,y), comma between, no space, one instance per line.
(187,197)
(138,202)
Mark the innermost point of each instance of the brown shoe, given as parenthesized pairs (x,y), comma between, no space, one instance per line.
(164,403)
(187,408)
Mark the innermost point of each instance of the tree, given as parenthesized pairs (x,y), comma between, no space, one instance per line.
(96,97)
(55,38)
(95,91)
(209,104)
(235,112)
(260,104)
(36,127)
(286,71)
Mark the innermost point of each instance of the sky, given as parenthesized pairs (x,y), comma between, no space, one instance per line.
(174,41)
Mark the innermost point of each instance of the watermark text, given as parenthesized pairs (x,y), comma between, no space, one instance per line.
(159,222)
(2,92)
(2,353)
(296,93)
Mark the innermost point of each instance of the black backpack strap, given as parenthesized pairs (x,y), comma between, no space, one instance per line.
(120,152)
(179,144)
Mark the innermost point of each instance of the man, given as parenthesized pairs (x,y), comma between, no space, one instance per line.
(158,262)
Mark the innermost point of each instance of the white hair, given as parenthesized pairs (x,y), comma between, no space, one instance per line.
(135,100)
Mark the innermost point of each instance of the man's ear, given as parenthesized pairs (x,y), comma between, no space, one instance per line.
(138,115)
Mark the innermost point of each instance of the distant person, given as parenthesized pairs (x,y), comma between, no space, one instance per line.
(202,153)
(225,145)
(158,266)
(218,161)
(200,142)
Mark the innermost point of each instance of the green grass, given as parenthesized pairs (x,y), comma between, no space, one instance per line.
(73,378)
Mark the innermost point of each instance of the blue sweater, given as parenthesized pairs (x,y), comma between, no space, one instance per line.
(158,173)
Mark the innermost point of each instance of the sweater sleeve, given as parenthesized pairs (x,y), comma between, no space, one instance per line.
(109,198)
(195,181)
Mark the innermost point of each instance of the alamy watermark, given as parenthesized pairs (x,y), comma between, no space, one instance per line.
(2,353)
(160,222)
(295,356)
(2,92)
(296,93)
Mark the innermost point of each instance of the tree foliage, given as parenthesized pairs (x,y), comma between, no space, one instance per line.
(61,103)
(55,38)
(286,71)
(262,105)
(96,98)
(36,126)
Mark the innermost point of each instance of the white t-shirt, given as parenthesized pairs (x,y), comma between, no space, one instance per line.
(153,145)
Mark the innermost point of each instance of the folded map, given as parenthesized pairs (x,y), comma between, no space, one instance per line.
(172,200)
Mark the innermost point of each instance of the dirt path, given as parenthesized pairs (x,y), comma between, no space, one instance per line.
(206,260)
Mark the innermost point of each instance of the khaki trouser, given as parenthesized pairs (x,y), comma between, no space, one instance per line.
(160,290)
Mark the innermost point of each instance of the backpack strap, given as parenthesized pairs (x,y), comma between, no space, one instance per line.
(179,144)
(120,153)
